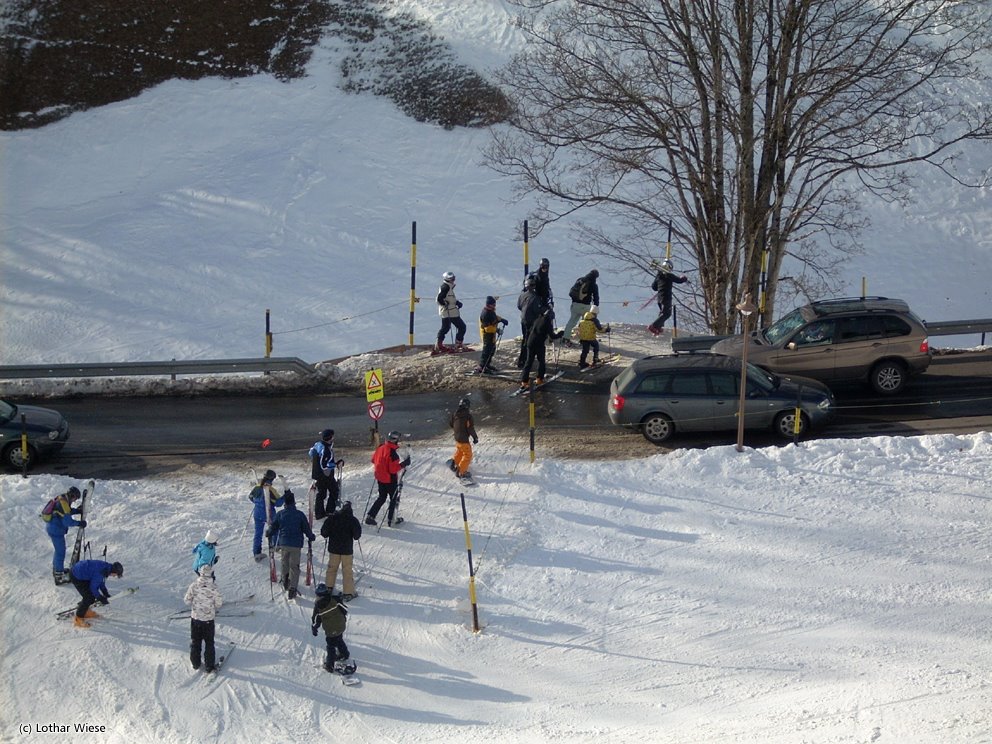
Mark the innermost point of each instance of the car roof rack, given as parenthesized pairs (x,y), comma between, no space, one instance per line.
(858,304)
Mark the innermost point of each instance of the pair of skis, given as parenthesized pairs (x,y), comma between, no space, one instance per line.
(535,386)
(70,611)
(77,548)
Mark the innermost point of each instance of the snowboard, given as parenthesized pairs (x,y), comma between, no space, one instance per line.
(526,391)
(465,480)
(347,673)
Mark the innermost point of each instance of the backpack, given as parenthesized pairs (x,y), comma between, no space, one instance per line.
(46,513)
(579,290)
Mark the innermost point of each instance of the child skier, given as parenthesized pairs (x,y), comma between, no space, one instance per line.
(489,325)
(57,515)
(204,600)
(464,429)
(586,331)
(205,552)
(258,497)
(330,612)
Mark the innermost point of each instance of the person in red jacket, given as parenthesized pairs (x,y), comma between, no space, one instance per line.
(388,465)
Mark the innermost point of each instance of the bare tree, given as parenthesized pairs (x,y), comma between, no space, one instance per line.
(750,124)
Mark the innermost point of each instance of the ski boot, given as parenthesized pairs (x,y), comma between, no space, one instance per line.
(80,622)
(538,381)
(370,520)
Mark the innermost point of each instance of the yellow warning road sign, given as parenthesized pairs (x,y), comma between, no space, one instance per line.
(373,385)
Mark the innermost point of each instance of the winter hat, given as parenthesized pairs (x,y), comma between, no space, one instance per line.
(289,498)
(327,435)
(117,569)
(270,475)
(321,590)
(72,493)
(206,570)
(490,301)
(211,537)
(594,274)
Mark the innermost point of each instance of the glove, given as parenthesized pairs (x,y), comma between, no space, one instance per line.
(82,523)
(458,304)
(406,462)
(313,629)
(103,598)
(475,440)
(216,558)
(268,534)
(503,322)
(606,330)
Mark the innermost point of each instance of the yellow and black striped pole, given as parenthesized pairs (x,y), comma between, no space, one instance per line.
(413,276)
(533,426)
(526,249)
(471,569)
(24,446)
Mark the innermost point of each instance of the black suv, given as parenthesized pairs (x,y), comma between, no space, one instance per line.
(875,339)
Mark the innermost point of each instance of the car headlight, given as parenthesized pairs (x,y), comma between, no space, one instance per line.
(53,435)
(824,405)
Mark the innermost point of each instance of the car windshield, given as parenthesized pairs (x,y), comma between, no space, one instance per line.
(784,326)
(7,411)
(761,379)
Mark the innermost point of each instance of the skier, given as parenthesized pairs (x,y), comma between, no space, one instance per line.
(288,530)
(584,294)
(489,323)
(529,304)
(387,464)
(205,552)
(542,282)
(341,529)
(322,470)
(464,427)
(449,307)
(204,600)
(586,330)
(662,284)
(258,497)
(57,515)
(90,579)
(540,331)
(330,612)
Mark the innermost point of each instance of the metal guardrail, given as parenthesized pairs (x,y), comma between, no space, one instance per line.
(130,369)
(937,328)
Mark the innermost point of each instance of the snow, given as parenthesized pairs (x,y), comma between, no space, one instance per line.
(836,591)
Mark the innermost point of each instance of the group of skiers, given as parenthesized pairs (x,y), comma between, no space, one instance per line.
(537,319)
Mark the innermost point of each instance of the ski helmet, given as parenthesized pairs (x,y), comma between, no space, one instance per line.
(594,273)
(464,403)
(327,435)
(490,301)
(73,493)
(393,436)
(117,569)
(594,309)
(448,276)
(269,476)
(211,537)
(321,590)
(545,263)
(666,264)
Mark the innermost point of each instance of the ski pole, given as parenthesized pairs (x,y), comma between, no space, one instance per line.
(369,499)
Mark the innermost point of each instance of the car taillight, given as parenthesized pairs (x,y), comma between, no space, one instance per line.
(925,346)
(617,402)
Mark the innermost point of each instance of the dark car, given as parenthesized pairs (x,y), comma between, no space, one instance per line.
(874,339)
(663,395)
(47,432)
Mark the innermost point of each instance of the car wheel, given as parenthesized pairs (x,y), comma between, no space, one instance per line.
(12,456)
(888,377)
(657,428)
(785,424)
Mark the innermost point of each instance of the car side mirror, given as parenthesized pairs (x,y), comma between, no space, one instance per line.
(791,346)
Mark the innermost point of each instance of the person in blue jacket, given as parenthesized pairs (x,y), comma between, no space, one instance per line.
(257,496)
(58,524)
(288,529)
(90,580)
(205,552)
(322,464)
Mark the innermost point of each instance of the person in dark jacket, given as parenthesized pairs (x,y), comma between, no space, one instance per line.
(489,324)
(341,529)
(542,329)
(329,611)
(464,428)
(542,284)
(57,526)
(529,304)
(289,528)
(662,284)
(387,467)
(584,294)
(322,470)
(90,580)
(260,494)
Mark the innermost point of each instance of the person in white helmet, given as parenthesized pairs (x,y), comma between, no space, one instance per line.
(662,284)
(449,308)
(205,552)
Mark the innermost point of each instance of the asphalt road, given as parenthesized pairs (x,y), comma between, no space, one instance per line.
(134,437)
